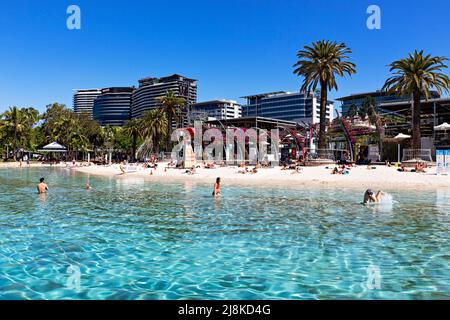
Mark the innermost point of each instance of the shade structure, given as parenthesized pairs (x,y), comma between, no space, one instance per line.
(443,127)
(401,136)
(53,147)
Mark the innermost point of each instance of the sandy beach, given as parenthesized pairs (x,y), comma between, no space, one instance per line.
(359,177)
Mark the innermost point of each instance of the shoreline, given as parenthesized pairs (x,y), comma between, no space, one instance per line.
(360,177)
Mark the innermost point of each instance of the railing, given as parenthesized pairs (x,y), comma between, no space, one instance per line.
(327,154)
(417,155)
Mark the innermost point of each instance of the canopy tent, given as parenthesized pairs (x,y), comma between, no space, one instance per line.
(53,147)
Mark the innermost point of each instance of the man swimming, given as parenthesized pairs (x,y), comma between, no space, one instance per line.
(370,197)
(42,187)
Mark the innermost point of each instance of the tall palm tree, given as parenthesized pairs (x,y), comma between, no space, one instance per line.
(172,105)
(319,64)
(154,126)
(413,77)
(133,129)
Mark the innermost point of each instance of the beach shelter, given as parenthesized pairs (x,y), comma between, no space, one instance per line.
(53,147)
(399,138)
(442,127)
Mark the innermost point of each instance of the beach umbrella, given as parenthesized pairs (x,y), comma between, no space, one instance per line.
(400,137)
(443,127)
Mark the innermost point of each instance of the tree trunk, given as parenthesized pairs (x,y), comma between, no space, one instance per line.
(15,145)
(323,110)
(416,143)
(169,129)
(133,147)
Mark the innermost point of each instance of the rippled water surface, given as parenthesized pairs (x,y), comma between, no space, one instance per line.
(134,239)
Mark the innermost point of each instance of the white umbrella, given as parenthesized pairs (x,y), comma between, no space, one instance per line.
(400,137)
(443,127)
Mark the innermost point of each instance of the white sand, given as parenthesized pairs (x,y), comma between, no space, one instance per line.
(360,177)
(382,177)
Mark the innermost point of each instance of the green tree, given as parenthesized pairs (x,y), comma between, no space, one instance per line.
(133,129)
(371,110)
(17,125)
(413,77)
(319,64)
(172,105)
(154,126)
(352,111)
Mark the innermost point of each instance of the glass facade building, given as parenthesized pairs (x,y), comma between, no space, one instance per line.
(216,110)
(297,107)
(113,106)
(144,97)
(379,96)
(83,100)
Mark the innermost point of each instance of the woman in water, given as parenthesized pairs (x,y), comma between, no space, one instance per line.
(216,190)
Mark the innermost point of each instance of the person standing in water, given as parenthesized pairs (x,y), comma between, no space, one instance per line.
(370,197)
(216,191)
(42,187)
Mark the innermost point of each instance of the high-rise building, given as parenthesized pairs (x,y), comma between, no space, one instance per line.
(297,107)
(379,96)
(83,100)
(113,106)
(216,110)
(144,97)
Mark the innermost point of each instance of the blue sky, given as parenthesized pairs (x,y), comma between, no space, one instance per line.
(233,47)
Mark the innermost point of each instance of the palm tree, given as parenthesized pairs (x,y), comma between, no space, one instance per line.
(154,127)
(371,109)
(133,129)
(172,105)
(13,121)
(413,77)
(319,64)
(352,111)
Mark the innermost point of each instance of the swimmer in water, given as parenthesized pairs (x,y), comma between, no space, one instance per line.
(88,186)
(370,197)
(216,190)
(42,187)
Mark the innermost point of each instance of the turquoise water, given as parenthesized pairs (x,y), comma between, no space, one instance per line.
(140,240)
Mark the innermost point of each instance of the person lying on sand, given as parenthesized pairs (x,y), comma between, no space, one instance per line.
(42,187)
(370,197)
(420,168)
(403,169)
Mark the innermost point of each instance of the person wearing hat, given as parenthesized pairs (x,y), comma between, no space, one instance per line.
(370,197)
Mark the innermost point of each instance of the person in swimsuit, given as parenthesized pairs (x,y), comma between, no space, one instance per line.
(370,197)
(42,187)
(216,190)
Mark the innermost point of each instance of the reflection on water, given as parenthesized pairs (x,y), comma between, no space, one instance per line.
(136,239)
(443,200)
